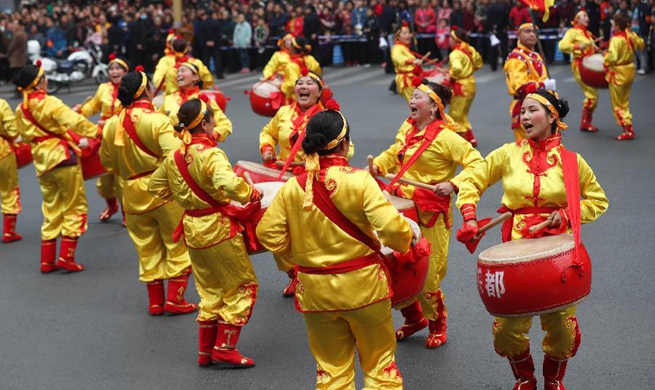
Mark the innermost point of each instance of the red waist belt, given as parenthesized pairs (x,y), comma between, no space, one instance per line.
(347,266)
(506,229)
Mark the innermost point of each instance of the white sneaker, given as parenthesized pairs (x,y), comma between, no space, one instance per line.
(641,71)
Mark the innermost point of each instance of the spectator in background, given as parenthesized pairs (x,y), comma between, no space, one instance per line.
(227,32)
(115,37)
(17,49)
(497,16)
(404,13)
(295,24)
(56,40)
(260,37)
(457,15)
(442,39)
(358,18)
(372,31)
(593,10)
(641,26)
(155,43)
(312,29)
(468,23)
(482,43)
(426,23)
(518,15)
(387,27)
(278,21)
(241,41)
(134,39)
(444,13)
(566,11)
(210,31)
(38,36)
(606,23)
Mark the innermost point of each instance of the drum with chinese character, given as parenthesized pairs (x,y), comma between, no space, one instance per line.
(407,280)
(529,277)
(269,189)
(266,97)
(592,71)
(406,207)
(260,173)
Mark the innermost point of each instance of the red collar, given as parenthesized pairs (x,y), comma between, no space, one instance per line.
(185,95)
(332,160)
(399,42)
(142,103)
(547,144)
(37,95)
(202,139)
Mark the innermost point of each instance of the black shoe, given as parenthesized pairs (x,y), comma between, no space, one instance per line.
(392,87)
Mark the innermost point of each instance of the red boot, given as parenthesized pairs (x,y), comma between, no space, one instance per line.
(225,350)
(585,125)
(156,297)
(67,255)
(206,340)
(438,335)
(628,133)
(290,289)
(554,370)
(523,370)
(48,253)
(414,321)
(470,137)
(111,209)
(175,303)
(9,227)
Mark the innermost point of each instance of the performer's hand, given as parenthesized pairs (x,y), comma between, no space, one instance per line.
(77,108)
(444,189)
(18,139)
(375,170)
(268,156)
(472,223)
(257,194)
(83,143)
(550,84)
(101,122)
(417,61)
(555,219)
(582,46)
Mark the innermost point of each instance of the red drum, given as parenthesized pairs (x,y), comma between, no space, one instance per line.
(218,96)
(408,281)
(529,277)
(406,207)
(249,234)
(266,98)
(90,157)
(23,155)
(437,76)
(260,173)
(592,71)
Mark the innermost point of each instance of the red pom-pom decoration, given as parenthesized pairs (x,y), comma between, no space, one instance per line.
(453,28)
(304,71)
(416,81)
(38,63)
(178,36)
(171,31)
(583,9)
(203,97)
(112,57)
(332,105)
(405,24)
(139,68)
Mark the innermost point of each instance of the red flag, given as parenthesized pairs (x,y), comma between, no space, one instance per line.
(540,5)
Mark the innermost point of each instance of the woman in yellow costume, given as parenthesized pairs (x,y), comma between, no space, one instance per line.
(463,60)
(165,76)
(280,58)
(134,143)
(525,72)
(427,150)
(579,42)
(619,60)
(200,178)
(406,64)
(44,121)
(106,102)
(531,173)
(189,85)
(299,59)
(9,189)
(342,290)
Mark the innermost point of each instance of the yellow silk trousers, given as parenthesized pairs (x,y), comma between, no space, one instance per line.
(225,280)
(460,106)
(511,334)
(152,235)
(439,238)
(110,186)
(590,93)
(64,203)
(620,100)
(335,336)
(9,190)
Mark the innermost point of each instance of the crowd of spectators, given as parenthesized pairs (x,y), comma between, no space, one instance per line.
(239,35)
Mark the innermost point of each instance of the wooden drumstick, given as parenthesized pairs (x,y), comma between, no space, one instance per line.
(369,160)
(502,218)
(540,226)
(88,99)
(248,179)
(293,164)
(391,176)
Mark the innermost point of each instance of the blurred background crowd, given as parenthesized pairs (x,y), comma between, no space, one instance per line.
(341,32)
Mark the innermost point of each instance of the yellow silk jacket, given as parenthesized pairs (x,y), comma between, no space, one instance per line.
(292,72)
(523,68)
(120,155)
(437,164)
(212,171)
(620,57)
(8,131)
(276,64)
(309,239)
(174,101)
(105,101)
(532,176)
(573,39)
(166,70)
(55,116)
(464,60)
(403,63)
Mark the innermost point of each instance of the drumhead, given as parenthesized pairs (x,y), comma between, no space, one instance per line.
(594,62)
(401,204)
(525,249)
(270,189)
(265,89)
(250,166)
(158,101)
(417,232)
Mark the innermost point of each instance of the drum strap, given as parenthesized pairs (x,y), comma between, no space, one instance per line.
(572,189)
(431,133)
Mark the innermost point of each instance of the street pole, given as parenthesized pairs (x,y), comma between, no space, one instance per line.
(541,49)
(177,12)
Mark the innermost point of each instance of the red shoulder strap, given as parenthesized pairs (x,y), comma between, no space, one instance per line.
(431,134)
(572,189)
(28,115)
(131,131)
(324,203)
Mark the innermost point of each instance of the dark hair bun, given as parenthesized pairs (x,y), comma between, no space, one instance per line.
(562,108)
(313,142)
(26,75)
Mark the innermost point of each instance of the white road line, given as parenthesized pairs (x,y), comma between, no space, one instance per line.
(569,80)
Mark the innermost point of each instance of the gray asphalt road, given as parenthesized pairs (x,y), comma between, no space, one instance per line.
(91,330)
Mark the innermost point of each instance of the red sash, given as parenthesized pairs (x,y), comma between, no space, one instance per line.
(431,133)
(572,189)
(297,123)
(236,214)
(129,128)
